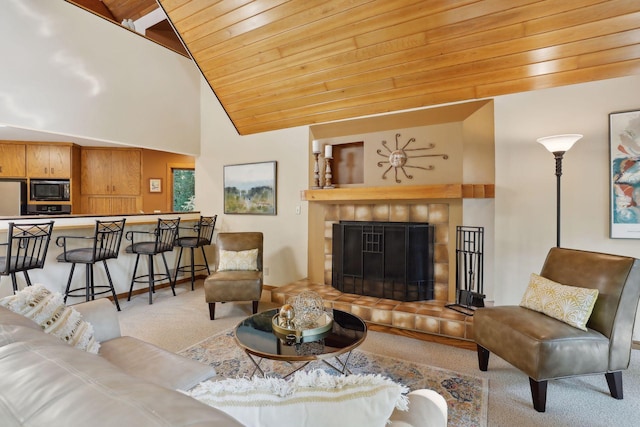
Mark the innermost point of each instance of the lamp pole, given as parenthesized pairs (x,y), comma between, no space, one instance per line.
(558,145)
(558,156)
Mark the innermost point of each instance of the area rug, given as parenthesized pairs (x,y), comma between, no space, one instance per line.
(466,395)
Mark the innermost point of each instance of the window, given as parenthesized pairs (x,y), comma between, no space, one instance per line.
(184,189)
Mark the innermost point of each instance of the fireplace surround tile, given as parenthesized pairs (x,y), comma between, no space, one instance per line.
(438,213)
(347,298)
(428,324)
(380,213)
(442,234)
(363,312)
(367,301)
(419,213)
(399,213)
(452,328)
(331,213)
(381,316)
(403,320)
(440,253)
(347,212)
(328,229)
(363,213)
(441,291)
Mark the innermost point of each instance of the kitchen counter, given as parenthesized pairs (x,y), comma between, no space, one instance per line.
(85,220)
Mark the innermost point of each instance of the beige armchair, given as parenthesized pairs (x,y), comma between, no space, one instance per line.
(238,270)
(545,348)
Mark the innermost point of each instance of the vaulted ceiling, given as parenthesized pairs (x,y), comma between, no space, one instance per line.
(276,64)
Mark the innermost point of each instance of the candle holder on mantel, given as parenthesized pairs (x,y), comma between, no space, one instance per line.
(316,172)
(327,173)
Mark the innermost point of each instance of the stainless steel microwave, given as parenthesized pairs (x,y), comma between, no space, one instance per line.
(50,190)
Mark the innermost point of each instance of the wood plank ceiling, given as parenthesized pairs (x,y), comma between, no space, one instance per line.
(275,64)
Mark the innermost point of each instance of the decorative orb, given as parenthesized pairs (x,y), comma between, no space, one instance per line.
(287,311)
(308,308)
(398,158)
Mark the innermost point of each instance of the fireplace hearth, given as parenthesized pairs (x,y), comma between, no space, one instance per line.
(391,260)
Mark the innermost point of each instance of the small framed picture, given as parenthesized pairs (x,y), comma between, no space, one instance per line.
(155,185)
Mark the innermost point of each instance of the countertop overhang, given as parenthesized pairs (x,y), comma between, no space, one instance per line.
(89,221)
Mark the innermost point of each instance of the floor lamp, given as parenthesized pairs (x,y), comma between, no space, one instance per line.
(558,145)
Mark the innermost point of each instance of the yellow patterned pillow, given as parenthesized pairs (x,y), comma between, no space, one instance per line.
(238,261)
(570,304)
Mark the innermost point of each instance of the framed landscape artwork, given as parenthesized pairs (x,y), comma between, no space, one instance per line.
(624,140)
(250,188)
(155,185)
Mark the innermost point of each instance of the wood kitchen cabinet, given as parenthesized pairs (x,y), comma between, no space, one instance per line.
(111,180)
(12,160)
(115,172)
(48,161)
(101,205)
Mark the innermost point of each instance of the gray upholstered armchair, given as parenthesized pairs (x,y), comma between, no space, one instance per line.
(238,270)
(545,348)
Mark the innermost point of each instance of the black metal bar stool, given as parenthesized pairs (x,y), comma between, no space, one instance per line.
(25,249)
(159,241)
(105,244)
(201,236)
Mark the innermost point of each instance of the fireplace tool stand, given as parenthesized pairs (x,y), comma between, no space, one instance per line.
(469,270)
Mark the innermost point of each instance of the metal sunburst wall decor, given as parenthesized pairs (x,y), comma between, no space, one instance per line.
(398,158)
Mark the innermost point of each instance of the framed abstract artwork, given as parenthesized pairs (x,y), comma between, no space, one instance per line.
(624,144)
(250,188)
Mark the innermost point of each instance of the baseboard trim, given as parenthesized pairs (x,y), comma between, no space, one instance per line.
(635,345)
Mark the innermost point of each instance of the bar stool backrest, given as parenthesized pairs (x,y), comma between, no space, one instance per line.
(107,240)
(26,247)
(166,234)
(205,229)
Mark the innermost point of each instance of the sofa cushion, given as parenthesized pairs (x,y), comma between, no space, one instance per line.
(311,399)
(45,382)
(570,304)
(48,310)
(144,360)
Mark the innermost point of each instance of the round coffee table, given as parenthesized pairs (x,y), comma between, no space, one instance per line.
(255,335)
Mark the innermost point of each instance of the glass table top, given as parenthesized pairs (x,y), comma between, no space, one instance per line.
(256,336)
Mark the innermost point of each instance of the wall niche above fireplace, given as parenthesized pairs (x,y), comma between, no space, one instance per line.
(392,260)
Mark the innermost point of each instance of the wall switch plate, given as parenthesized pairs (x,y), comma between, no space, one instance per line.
(298,210)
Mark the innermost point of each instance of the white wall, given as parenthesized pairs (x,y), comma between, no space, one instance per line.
(285,234)
(67,71)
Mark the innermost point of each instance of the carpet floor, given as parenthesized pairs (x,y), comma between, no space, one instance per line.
(466,395)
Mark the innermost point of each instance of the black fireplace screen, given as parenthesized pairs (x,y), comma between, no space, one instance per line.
(391,260)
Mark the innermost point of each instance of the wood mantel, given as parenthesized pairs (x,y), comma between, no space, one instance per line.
(413,192)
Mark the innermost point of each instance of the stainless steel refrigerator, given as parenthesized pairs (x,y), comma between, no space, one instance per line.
(13,198)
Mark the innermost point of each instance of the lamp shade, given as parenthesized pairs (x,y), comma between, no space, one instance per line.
(557,143)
